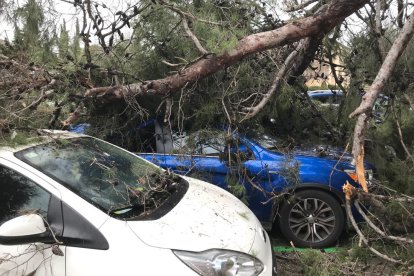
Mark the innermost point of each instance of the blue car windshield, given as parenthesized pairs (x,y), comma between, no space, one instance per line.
(266,141)
(105,175)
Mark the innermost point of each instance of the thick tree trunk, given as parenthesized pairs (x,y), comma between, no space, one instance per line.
(315,25)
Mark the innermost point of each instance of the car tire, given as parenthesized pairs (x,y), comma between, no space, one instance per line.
(312,218)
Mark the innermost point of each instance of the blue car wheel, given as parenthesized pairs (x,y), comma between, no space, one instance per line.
(312,219)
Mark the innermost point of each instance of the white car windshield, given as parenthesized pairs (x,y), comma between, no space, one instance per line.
(114,180)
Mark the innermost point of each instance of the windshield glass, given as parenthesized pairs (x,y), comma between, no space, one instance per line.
(267,141)
(114,180)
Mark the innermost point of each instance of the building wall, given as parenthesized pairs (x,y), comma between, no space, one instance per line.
(321,74)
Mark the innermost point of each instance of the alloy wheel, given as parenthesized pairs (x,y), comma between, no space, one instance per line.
(312,220)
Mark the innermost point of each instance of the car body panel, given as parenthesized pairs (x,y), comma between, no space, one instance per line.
(119,259)
(238,225)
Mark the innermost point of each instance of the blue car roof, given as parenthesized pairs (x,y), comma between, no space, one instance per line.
(324,93)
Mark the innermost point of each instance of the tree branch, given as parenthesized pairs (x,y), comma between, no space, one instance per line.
(376,229)
(365,108)
(362,236)
(318,24)
(400,15)
(300,6)
(193,37)
(277,81)
(400,135)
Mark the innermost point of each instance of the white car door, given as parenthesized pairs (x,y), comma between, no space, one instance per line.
(22,192)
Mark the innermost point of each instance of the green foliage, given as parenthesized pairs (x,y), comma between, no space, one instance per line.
(236,188)
(296,121)
(218,40)
(315,263)
(18,36)
(401,213)
(33,36)
(63,44)
(19,138)
(360,253)
(32,18)
(35,45)
(393,171)
(75,46)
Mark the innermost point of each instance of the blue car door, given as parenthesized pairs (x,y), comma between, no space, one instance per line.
(245,177)
(210,169)
(267,178)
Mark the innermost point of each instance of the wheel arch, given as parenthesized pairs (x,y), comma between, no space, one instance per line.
(338,195)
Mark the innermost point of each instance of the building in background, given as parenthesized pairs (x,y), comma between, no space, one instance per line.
(319,73)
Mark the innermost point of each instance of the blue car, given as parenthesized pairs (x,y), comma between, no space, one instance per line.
(327,97)
(301,193)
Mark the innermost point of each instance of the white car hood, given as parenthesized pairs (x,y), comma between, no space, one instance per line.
(207,217)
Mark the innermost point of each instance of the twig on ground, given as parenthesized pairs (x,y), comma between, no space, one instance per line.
(378,230)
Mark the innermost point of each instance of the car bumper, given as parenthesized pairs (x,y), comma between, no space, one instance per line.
(274,264)
(268,258)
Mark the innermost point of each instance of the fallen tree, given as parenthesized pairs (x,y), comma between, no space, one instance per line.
(321,23)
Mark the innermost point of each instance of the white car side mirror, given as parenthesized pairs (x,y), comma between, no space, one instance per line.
(25,225)
(23,229)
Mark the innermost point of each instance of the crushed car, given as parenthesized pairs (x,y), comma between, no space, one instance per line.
(300,193)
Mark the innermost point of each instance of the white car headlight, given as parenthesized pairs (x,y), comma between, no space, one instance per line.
(221,262)
(369,175)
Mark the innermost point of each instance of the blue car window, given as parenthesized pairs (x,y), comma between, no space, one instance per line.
(238,151)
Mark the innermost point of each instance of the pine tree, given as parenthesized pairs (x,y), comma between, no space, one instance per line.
(18,37)
(32,17)
(33,36)
(75,47)
(63,43)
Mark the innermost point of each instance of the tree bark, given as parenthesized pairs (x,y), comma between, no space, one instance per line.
(315,25)
(378,29)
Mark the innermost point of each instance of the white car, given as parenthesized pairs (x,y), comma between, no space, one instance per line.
(75,205)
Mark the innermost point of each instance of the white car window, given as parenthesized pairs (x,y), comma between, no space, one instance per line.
(19,195)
